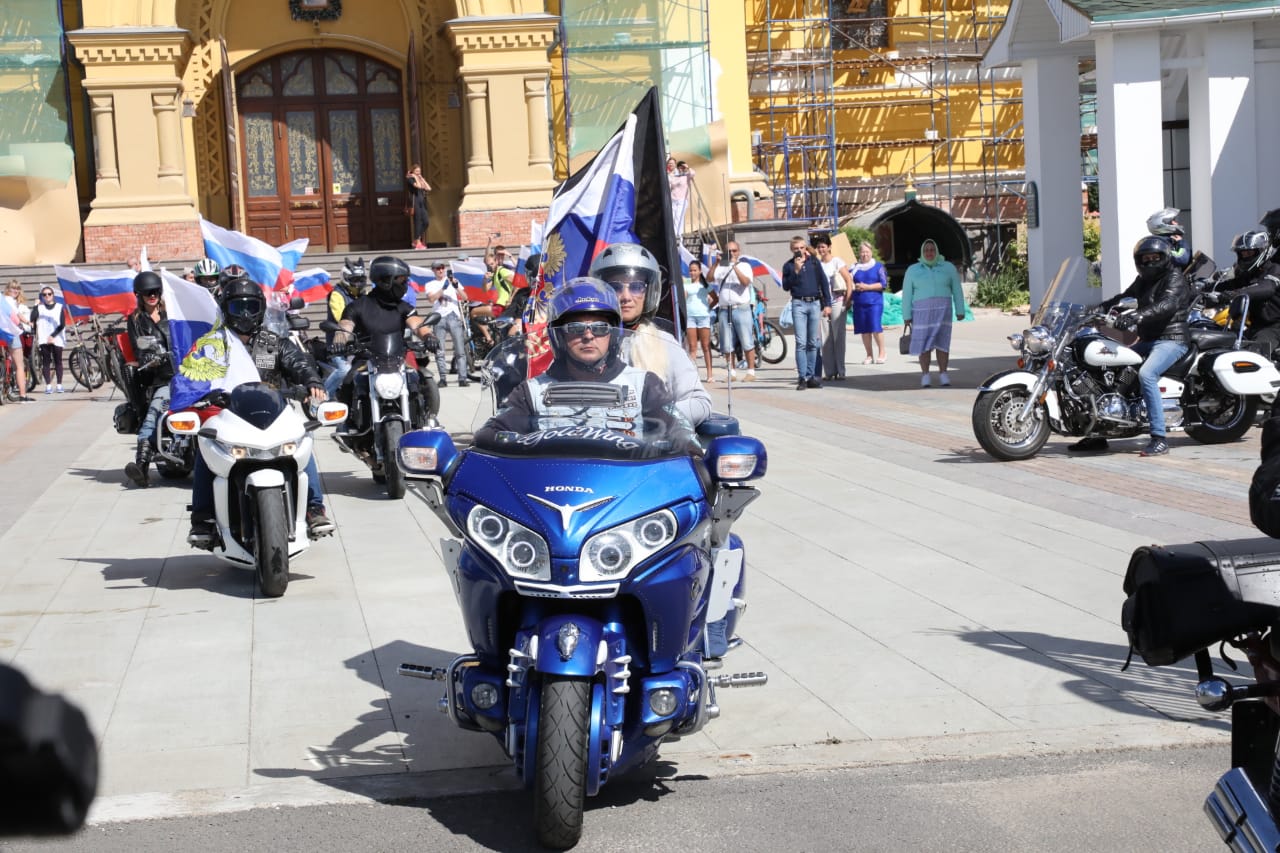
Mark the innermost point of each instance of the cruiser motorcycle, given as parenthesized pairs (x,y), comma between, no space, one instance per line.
(1181,601)
(587,563)
(1075,381)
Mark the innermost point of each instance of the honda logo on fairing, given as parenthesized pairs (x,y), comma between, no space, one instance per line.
(584,490)
(567,510)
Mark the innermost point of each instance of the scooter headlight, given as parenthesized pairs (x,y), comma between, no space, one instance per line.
(389,386)
(613,553)
(521,552)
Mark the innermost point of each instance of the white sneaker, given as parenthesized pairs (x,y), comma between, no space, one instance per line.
(733,374)
(751,375)
(943,379)
(48,389)
(924,380)
(59,389)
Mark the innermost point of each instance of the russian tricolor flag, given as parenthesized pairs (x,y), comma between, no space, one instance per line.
(312,285)
(470,274)
(760,268)
(97,291)
(267,265)
(206,356)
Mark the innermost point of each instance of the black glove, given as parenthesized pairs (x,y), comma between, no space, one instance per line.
(1126,322)
(432,343)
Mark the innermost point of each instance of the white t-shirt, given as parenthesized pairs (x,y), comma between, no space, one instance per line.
(831,269)
(732,291)
(447,304)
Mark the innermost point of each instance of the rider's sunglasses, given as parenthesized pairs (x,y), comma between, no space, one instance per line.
(637,288)
(151,294)
(597,328)
(206,280)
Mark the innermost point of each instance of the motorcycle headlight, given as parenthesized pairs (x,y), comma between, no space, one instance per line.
(613,553)
(238,452)
(1038,340)
(521,552)
(1015,341)
(389,386)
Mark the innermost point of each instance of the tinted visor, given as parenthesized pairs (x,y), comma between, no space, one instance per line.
(207,280)
(245,306)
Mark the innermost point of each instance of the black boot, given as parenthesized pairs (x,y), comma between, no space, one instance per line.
(139,469)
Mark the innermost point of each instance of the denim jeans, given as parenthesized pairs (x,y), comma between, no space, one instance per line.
(341,367)
(155,410)
(737,326)
(202,486)
(808,319)
(451,325)
(1158,356)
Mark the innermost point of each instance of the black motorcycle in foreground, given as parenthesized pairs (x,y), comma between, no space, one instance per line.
(391,392)
(1183,599)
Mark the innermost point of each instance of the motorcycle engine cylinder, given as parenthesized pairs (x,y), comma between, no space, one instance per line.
(1113,408)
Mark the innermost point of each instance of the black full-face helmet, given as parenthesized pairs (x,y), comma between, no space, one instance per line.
(243,305)
(390,277)
(1153,257)
(1250,248)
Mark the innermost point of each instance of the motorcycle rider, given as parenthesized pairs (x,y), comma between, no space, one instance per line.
(1161,324)
(244,306)
(155,367)
(633,273)
(208,275)
(354,284)
(584,323)
(1164,223)
(1256,276)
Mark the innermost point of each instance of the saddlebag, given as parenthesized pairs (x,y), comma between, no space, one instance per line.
(125,419)
(1183,598)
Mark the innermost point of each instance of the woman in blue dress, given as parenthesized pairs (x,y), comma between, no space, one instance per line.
(869,283)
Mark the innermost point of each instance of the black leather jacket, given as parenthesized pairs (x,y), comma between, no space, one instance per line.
(293,366)
(155,366)
(1262,285)
(1162,306)
(1264,503)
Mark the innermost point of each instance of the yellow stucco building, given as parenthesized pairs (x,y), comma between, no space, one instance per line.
(300,118)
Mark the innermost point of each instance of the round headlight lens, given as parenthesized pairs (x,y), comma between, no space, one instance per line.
(389,386)
(654,530)
(662,701)
(1038,339)
(522,554)
(1015,341)
(610,553)
(484,695)
(489,527)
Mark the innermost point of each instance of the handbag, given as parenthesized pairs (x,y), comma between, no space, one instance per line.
(785,320)
(904,343)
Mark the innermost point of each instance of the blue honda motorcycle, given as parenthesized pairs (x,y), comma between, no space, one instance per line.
(586,563)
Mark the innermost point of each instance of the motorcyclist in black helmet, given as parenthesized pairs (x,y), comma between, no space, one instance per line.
(148,329)
(244,307)
(1160,321)
(1254,275)
(354,284)
(383,308)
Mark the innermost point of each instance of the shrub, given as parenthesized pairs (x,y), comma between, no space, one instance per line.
(1004,289)
(1092,239)
(859,235)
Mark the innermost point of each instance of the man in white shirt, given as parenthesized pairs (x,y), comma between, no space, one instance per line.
(732,282)
(443,295)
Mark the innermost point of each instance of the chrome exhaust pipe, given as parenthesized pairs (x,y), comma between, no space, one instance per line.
(1241,816)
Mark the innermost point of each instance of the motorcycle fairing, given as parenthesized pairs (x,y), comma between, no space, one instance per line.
(257,403)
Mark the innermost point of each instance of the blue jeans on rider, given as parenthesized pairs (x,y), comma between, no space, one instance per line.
(155,410)
(202,487)
(452,326)
(1157,357)
(341,367)
(807,317)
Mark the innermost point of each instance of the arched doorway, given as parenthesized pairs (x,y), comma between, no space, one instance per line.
(322,137)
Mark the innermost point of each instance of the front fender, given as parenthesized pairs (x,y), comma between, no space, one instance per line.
(584,660)
(1026,379)
(265,478)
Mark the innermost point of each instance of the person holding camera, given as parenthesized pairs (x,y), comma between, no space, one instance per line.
(810,290)
(444,295)
(417,187)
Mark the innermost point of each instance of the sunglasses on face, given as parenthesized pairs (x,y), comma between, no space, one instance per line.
(636,288)
(47,293)
(152,295)
(597,328)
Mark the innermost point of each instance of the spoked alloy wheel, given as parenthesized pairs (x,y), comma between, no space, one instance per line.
(1223,417)
(560,785)
(995,424)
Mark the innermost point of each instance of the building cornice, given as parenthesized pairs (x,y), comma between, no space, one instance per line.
(167,46)
(514,32)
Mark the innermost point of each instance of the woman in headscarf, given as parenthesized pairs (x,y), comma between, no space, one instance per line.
(869,285)
(931,294)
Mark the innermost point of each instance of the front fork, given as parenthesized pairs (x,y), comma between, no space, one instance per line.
(1037,391)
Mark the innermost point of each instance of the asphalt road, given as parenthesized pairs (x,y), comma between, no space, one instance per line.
(1126,800)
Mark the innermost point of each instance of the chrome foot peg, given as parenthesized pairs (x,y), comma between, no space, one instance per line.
(738,679)
(430,673)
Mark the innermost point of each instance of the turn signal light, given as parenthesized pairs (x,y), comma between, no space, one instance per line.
(1245,366)
(330,414)
(184,424)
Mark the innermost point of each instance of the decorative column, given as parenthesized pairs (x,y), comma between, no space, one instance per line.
(133,79)
(504,69)
(1221,96)
(1131,185)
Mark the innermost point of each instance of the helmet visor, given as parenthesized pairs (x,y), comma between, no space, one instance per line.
(245,306)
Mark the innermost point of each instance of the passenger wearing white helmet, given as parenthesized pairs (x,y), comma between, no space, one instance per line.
(1164,223)
(633,273)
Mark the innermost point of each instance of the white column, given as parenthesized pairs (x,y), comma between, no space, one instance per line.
(1130,158)
(1051,122)
(1222,130)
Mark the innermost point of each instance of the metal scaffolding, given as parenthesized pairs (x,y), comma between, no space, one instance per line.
(851,100)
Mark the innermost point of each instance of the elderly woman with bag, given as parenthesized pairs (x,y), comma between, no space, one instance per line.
(931,294)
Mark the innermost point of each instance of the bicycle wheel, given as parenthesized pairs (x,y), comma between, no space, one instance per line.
(772,343)
(85,368)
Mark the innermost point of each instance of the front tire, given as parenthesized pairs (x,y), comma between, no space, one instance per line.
(996,428)
(773,344)
(85,369)
(391,432)
(560,783)
(1223,417)
(271,542)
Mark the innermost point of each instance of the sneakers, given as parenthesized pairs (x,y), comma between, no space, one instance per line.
(318,524)
(801,385)
(443,382)
(463,383)
(1090,444)
(813,382)
(59,388)
(733,374)
(924,380)
(751,375)
(944,380)
(48,389)
(25,399)
(1156,447)
(202,531)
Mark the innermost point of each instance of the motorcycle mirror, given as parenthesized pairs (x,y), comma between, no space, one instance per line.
(330,326)
(298,324)
(736,458)
(297,303)
(331,413)
(1127,304)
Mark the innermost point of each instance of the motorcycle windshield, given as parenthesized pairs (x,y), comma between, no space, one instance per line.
(387,351)
(257,403)
(1058,311)
(578,411)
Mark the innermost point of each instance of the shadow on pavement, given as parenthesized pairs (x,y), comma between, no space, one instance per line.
(1092,671)
(116,476)
(189,571)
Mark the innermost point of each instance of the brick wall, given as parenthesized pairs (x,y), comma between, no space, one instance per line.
(116,244)
(762,209)
(476,227)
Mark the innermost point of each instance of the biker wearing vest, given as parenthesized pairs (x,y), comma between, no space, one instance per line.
(585,351)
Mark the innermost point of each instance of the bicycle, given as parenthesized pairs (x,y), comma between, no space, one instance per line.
(95,357)
(12,393)
(771,343)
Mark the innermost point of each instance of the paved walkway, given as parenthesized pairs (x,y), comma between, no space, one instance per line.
(909,597)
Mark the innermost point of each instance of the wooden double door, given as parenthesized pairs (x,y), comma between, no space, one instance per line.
(322,142)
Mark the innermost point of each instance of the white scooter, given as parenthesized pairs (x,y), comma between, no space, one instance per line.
(257,449)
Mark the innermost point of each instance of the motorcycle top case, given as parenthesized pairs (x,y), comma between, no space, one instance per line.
(1183,598)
